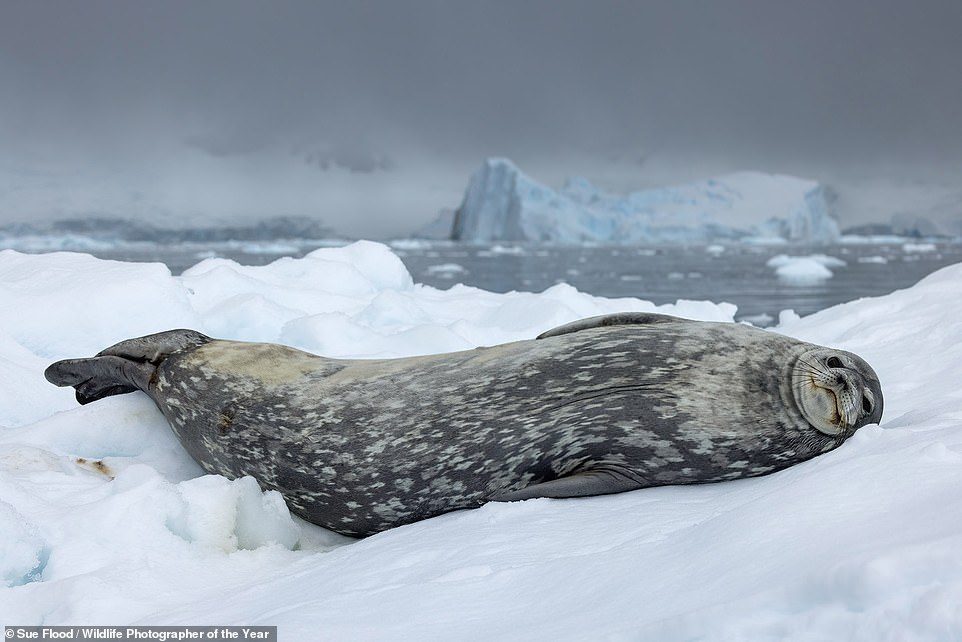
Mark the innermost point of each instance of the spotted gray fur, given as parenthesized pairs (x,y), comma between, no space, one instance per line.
(603,405)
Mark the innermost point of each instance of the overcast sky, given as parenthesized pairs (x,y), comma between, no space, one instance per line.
(372,115)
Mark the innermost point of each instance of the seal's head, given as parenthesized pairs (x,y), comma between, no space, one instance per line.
(836,391)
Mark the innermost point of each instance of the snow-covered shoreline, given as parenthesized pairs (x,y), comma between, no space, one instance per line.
(859,544)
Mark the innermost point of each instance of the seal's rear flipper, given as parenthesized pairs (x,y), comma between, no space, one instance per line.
(99,377)
(124,367)
(596,481)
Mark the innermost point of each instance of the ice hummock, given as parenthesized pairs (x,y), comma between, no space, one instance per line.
(502,203)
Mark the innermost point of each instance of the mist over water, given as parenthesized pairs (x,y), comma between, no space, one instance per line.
(370,116)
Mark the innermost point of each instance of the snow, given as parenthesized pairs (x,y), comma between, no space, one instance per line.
(104,519)
(501,203)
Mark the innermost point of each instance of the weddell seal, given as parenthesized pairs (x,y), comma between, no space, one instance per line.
(603,405)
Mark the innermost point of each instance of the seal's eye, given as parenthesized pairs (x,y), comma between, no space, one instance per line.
(834,362)
(866,404)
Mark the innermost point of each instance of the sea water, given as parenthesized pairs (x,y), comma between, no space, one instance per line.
(743,274)
(739,274)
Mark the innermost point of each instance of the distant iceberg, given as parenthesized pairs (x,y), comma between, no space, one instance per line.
(503,204)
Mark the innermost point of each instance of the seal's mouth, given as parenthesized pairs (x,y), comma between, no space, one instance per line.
(838,418)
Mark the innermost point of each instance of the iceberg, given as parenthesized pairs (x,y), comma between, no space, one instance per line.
(502,203)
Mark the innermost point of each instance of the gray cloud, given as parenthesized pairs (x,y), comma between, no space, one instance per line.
(369,86)
(354,159)
(222,146)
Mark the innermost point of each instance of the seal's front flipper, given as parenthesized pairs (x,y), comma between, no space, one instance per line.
(609,320)
(124,367)
(595,481)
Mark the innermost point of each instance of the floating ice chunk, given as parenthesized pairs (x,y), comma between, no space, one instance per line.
(918,248)
(781,260)
(446,270)
(828,261)
(715,249)
(411,244)
(803,271)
